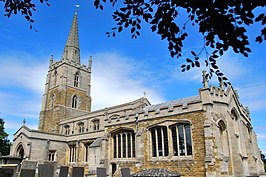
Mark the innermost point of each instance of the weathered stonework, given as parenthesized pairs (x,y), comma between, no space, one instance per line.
(207,135)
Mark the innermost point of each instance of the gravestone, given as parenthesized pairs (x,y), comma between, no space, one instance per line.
(45,170)
(101,172)
(10,166)
(28,164)
(6,172)
(27,173)
(78,172)
(125,172)
(28,168)
(63,171)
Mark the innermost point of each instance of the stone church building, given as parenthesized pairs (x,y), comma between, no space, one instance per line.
(209,134)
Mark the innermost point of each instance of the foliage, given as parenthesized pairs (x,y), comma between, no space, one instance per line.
(4,142)
(222,24)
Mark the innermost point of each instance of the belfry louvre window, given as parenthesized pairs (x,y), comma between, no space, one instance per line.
(159,139)
(76,80)
(124,144)
(74,101)
(181,139)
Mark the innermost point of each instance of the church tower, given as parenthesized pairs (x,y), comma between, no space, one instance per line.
(67,87)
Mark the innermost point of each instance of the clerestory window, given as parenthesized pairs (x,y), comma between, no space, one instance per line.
(96,124)
(67,129)
(81,127)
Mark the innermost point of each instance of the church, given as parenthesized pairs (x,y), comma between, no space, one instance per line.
(205,135)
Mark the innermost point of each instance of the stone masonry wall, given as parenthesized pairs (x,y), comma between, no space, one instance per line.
(187,166)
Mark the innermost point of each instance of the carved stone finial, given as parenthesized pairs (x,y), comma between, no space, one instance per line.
(248,111)
(205,79)
(237,94)
(145,94)
(221,84)
(51,60)
(90,62)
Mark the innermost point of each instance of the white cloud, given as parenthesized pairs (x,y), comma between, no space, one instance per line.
(20,70)
(114,81)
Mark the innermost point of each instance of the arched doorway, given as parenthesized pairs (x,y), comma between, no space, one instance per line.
(20,151)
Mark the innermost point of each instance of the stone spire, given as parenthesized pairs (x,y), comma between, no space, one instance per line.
(71,51)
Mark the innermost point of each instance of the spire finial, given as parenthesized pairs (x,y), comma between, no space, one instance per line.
(72,51)
(205,79)
(77,8)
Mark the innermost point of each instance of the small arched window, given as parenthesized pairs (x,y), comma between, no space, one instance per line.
(74,101)
(76,79)
(67,129)
(81,127)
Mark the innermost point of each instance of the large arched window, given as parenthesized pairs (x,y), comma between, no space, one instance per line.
(124,144)
(181,139)
(76,79)
(74,101)
(159,141)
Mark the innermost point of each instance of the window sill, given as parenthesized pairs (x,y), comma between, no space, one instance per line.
(175,158)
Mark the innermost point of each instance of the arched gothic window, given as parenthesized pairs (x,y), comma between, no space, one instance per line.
(76,79)
(74,101)
(180,134)
(124,144)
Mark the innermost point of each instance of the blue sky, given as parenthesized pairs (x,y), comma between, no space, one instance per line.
(122,68)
